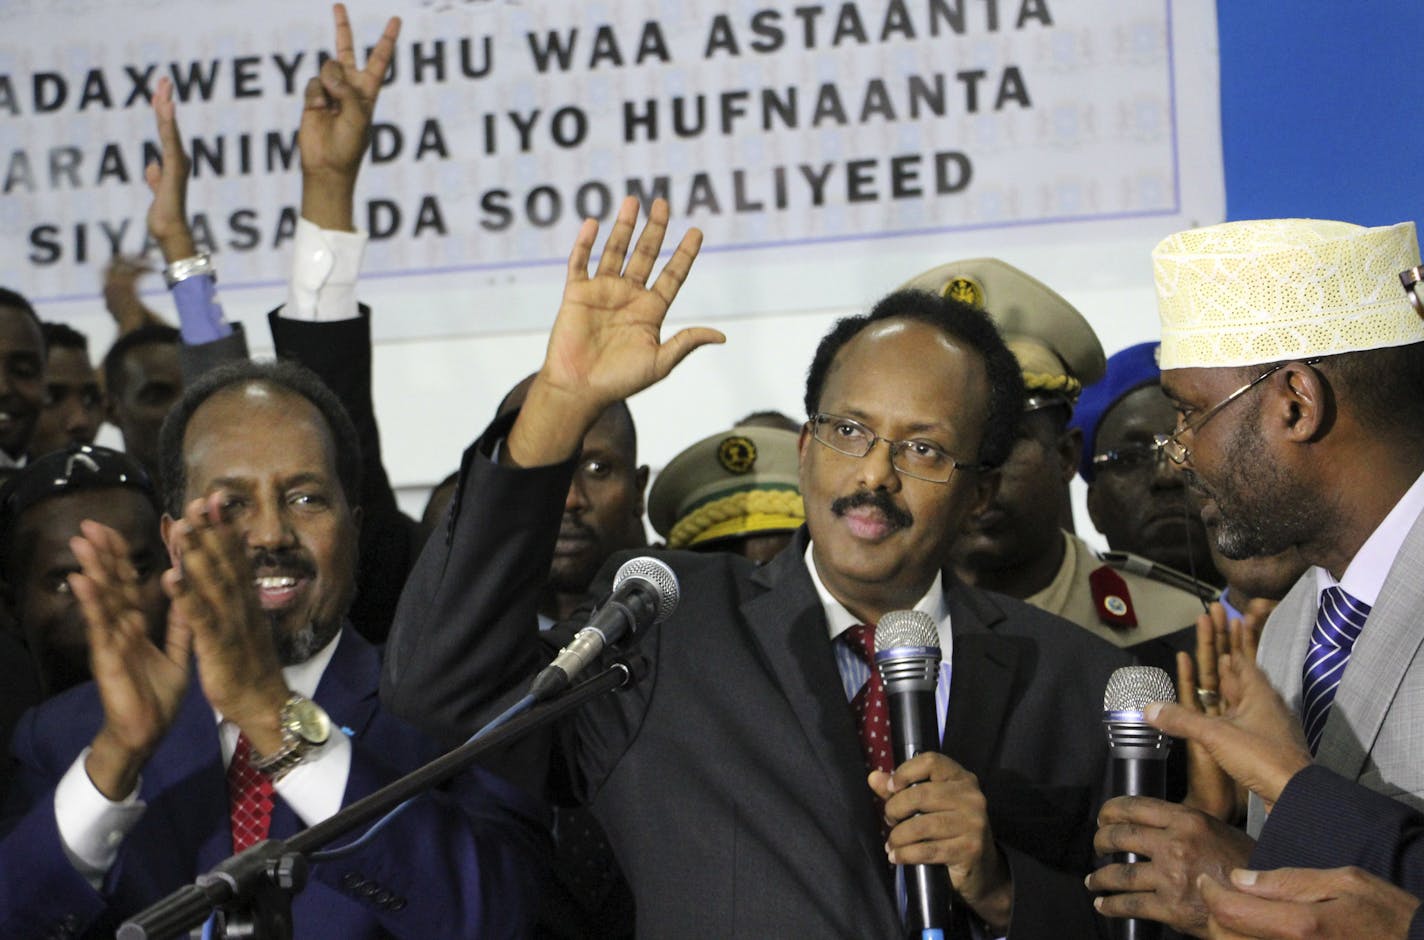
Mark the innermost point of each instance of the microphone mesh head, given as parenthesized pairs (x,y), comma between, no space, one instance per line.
(656,573)
(1132,688)
(901,628)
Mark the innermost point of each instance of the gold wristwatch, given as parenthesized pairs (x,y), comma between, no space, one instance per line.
(305,727)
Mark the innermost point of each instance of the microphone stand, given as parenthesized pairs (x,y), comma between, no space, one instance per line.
(253,891)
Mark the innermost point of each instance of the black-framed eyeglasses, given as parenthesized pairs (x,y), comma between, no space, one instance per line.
(1411,280)
(1128,457)
(1180,453)
(921,459)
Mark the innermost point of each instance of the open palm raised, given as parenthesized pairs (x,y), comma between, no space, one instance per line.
(607,342)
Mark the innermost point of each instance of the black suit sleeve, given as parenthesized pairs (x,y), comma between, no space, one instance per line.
(1323,820)
(339,352)
(197,359)
(466,630)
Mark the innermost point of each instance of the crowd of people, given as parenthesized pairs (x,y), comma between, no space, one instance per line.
(227,631)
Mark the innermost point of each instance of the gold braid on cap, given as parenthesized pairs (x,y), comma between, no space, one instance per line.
(1048,382)
(749,511)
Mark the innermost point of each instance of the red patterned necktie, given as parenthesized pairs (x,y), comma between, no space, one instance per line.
(872,715)
(250,798)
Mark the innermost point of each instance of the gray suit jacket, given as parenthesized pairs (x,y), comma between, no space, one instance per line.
(1375,732)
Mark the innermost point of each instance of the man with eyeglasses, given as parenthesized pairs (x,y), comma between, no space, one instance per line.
(1141,504)
(737,784)
(1296,367)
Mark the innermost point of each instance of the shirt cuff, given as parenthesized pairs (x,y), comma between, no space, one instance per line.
(91,826)
(316,788)
(325,266)
(200,316)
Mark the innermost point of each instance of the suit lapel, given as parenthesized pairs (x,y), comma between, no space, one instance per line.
(347,692)
(788,624)
(982,670)
(1286,639)
(1379,662)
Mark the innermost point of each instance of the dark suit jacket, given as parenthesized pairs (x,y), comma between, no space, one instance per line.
(339,352)
(463,863)
(730,780)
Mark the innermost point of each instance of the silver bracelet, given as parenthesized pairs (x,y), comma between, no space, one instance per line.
(184,268)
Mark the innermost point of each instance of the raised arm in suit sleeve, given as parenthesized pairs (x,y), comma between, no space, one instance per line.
(466,629)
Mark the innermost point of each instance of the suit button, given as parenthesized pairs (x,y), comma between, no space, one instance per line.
(352,881)
(368,889)
(383,897)
(396,905)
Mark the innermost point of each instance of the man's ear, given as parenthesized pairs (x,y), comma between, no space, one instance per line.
(1307,404)
(640,479)
(165,528)
(1070,452)
(986,487)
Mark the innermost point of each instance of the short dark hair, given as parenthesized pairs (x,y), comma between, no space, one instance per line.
(282,374)
(148,335)
(1383,388)
(63,336)
(18,301)
(959,321)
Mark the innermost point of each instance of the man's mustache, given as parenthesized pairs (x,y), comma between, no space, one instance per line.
(879,499)
(291,561)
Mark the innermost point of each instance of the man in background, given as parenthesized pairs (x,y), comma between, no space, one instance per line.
(22,377)
(735,491)
(74,402)
(143,378)
(1018,544)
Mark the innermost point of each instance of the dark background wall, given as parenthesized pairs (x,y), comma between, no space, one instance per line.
(1322,109)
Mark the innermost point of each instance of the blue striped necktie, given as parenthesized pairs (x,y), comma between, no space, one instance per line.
(1337,627)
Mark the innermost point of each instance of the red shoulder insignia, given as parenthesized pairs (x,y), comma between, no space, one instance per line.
(1112,599)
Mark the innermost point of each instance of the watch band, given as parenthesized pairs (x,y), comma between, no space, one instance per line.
(297,741)
(184,268)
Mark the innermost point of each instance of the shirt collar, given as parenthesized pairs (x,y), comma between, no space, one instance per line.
(304,677)
(839,620)
(1364,577)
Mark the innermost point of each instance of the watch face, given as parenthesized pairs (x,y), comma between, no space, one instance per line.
(309,722)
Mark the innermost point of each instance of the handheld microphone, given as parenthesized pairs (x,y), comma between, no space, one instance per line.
(645,592)
(1139,756)
(907,657)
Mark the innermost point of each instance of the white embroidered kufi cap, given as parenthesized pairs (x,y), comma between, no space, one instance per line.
(1249,293)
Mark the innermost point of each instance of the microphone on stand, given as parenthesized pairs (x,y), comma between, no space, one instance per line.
(907,656)
(645,592)
(1138,753)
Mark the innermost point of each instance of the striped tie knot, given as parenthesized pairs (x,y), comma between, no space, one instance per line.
(1337,626)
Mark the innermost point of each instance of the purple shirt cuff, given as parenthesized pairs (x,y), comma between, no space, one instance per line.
(200,316)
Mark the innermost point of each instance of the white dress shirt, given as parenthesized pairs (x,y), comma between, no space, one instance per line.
(854,670)
(1364,576)
(325,267)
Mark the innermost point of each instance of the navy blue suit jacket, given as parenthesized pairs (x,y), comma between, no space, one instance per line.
(465,863)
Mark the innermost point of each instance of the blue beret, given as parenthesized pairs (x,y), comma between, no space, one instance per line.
(1127,371)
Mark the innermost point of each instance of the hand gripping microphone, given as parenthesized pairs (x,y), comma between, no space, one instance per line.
(644,592)
(907,656)
(1139,756)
